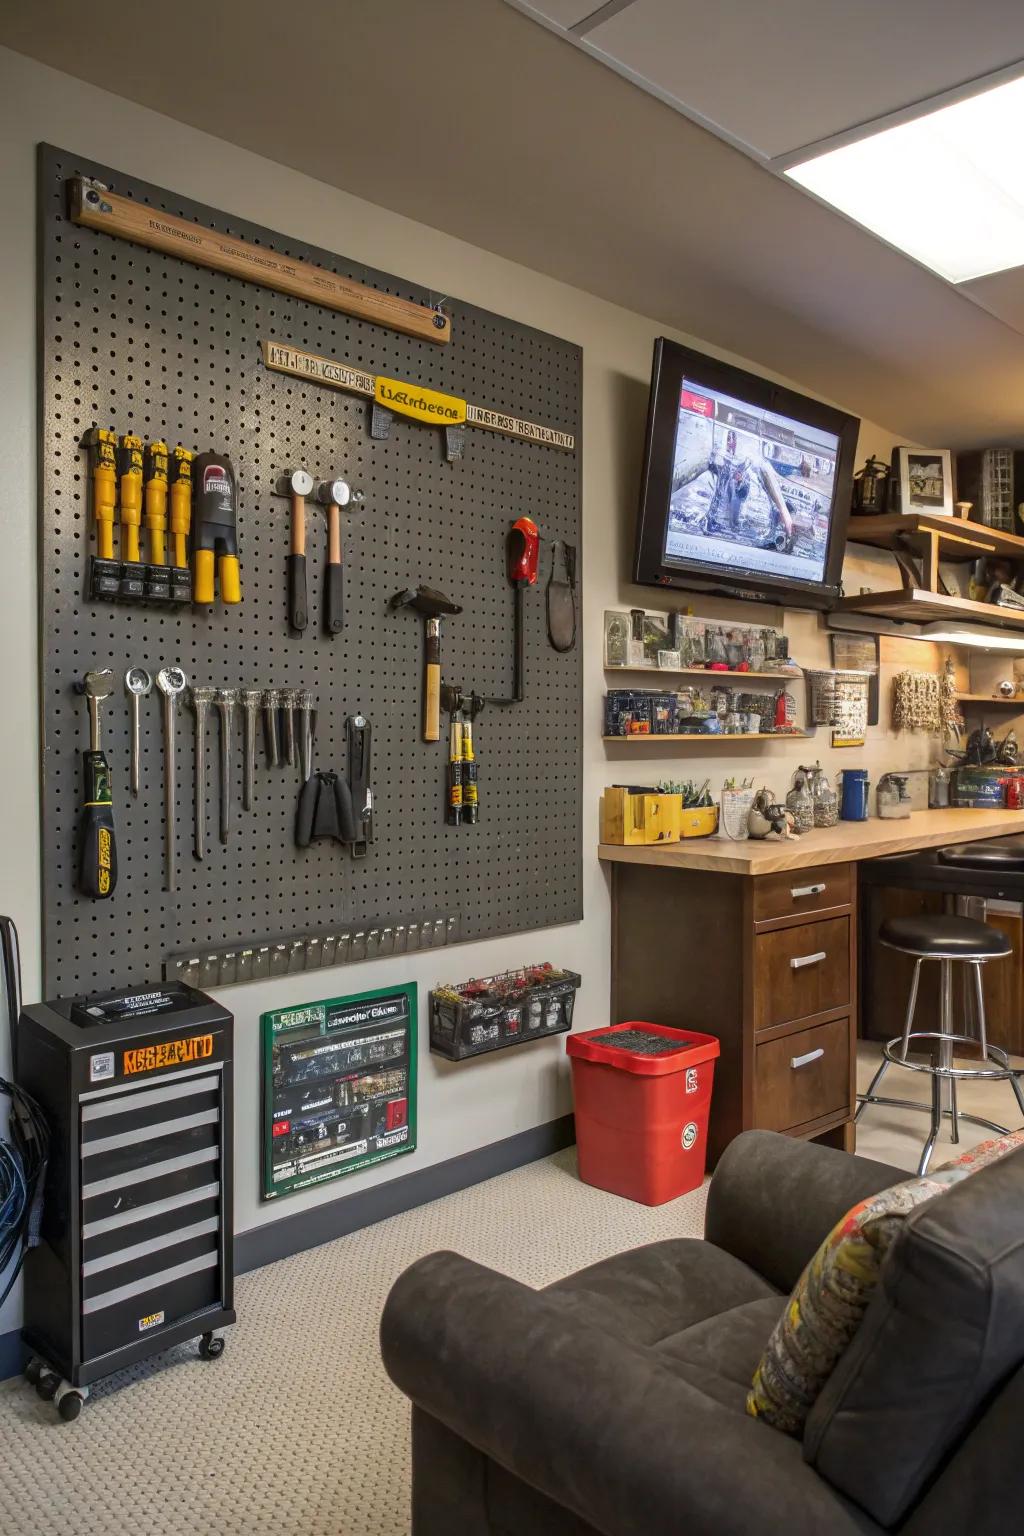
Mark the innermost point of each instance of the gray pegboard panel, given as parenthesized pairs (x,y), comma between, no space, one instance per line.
(142,342)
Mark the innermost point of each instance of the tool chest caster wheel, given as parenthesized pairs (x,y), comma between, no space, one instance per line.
(33,1371)
(46,1385)
(210,1348)
(69,1405)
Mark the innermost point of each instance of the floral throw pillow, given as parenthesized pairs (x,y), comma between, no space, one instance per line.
(833,1293)
(827,1304)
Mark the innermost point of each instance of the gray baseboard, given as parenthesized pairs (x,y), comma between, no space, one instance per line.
(323,1223)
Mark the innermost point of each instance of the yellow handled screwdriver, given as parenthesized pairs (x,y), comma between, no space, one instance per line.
(102,447)
(181,504)
(156,502)
(130,465)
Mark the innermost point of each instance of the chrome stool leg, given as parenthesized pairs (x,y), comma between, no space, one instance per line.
(870,1097)
(936,1127)
(979,996)
(946,1046)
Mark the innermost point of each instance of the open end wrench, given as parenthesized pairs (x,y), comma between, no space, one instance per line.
(250,700)
(201,698)
(137,685)
(172,683)
(226,700)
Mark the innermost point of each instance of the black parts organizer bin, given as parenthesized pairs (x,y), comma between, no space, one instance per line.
(462,1026)
(144,342)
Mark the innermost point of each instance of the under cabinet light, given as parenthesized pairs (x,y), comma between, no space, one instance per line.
(980,639)
(947,188)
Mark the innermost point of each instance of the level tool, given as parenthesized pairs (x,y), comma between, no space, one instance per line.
(97,207)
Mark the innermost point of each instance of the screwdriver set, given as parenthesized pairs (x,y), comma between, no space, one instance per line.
(192,496)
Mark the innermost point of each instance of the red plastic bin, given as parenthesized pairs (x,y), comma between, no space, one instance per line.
(642,1120)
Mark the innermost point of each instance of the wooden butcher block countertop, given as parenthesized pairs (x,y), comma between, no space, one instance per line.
(841,844)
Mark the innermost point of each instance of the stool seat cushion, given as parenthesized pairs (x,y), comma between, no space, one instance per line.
(1000,853)
(940,934)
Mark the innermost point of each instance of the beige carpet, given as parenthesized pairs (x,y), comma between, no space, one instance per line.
(296,1431)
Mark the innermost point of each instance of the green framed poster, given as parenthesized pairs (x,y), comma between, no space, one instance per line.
(339,1087)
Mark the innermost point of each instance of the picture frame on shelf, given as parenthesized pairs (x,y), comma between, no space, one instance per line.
(923,479)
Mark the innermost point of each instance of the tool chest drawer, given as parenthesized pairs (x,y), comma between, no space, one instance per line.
(802,1076)
(790,892)
(152,1213)
(801,970)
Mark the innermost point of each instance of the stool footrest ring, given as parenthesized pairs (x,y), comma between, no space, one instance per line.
(1000,1069)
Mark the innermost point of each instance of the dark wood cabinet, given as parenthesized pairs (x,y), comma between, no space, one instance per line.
(767,964)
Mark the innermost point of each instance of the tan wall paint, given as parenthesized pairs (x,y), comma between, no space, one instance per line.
(460,1108)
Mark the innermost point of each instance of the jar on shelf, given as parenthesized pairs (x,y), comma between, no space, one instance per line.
(800,802)
(826,799)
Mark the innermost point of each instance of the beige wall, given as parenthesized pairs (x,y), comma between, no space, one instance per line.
(460,1108)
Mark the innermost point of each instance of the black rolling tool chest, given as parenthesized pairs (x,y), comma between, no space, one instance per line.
(136,1249)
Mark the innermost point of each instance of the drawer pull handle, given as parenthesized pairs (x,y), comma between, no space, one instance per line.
(803,1061)
(799,961)
(807,890)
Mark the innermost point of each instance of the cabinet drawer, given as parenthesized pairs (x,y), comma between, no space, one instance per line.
(793,891)
(801,970)
(802,1076)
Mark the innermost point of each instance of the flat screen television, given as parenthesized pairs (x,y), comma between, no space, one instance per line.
(746,485)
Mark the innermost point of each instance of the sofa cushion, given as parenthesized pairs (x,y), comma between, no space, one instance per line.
(719,1354)
(944,1329)
(655,1292)
(827,1306)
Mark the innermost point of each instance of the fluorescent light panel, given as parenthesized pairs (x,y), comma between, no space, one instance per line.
(946,188)
(980,639)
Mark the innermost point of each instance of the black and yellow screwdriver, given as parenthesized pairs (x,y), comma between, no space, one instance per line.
(470,777)
(97,851)
(181,505)
(102,446)
(130,469)
(156,502)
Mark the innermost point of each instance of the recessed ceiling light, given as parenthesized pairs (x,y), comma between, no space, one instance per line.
(946,188)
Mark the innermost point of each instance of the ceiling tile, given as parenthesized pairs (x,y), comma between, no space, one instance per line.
(562,13)
(777,77)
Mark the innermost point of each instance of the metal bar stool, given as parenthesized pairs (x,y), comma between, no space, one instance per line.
(950,940)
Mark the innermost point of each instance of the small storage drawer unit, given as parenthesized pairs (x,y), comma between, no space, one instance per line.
(137,1232)
(792,892)
(800,971)
(802,1076)
(767,964)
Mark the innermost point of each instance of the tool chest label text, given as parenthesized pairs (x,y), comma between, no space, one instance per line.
(168,1053)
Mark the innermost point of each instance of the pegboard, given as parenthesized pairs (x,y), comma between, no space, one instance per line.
(147,343)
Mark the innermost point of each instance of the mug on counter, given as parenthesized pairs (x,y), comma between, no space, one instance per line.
(854,803)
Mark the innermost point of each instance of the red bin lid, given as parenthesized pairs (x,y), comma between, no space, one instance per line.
(688,1048)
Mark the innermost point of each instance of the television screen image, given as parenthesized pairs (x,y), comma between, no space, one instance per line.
(751,489)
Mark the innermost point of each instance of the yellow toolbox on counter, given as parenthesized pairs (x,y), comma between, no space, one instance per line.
(632,816)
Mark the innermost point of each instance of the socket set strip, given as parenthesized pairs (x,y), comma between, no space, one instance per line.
(311,951)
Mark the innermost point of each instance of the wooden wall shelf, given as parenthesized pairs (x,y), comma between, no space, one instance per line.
(703,737)
(1016,702)
(793,676)
(926,607)
(959,538)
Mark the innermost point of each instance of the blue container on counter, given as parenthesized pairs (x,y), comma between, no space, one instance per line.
(854,804)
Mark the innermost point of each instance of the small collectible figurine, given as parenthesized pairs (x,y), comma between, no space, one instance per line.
(770,819)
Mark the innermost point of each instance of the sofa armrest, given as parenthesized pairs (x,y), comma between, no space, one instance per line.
(773,1199)
(605,1429)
